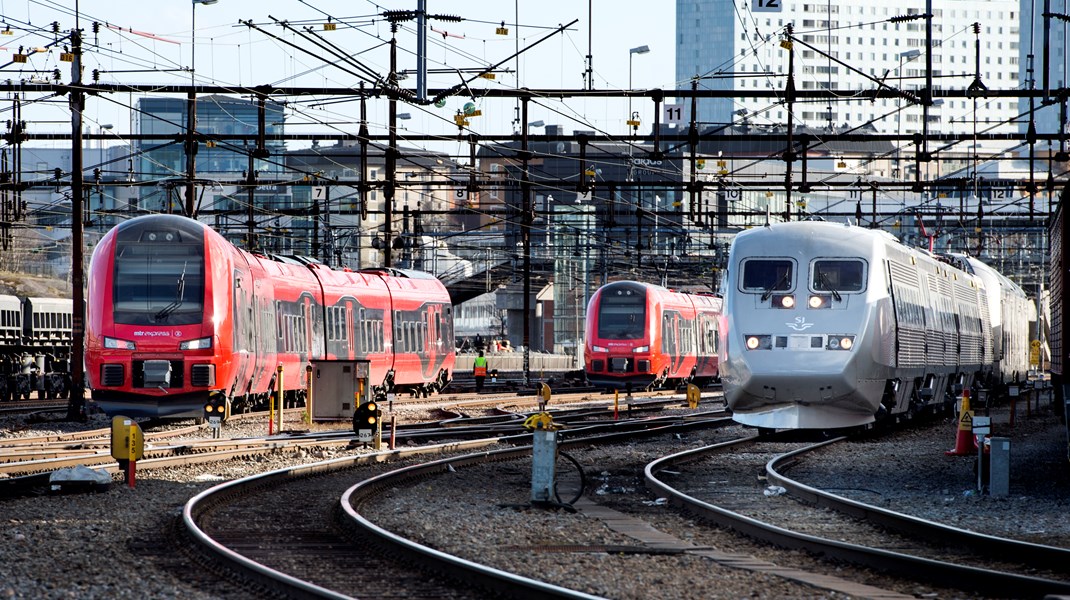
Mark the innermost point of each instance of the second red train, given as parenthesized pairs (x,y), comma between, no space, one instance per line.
(640,335)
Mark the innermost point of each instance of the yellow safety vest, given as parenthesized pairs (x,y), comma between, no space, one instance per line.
(480,366)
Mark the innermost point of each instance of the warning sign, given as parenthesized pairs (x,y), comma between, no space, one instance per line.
(966,421)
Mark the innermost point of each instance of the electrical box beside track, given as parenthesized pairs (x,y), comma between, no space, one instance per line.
(337,388)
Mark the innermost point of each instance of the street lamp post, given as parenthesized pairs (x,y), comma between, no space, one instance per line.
(100,144)
(191,114)
(637,50)
(904,57)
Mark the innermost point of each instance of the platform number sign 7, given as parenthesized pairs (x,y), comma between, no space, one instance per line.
(767,6)
(319,192)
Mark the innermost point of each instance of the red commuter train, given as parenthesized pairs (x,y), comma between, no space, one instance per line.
(640,335)
(175,312)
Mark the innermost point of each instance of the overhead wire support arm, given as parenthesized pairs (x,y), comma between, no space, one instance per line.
(248,23)
(453,91)
(879,82)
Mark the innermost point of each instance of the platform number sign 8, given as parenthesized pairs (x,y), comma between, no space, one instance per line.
(767,6)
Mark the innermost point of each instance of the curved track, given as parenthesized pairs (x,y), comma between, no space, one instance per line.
(320,563)
(850,531)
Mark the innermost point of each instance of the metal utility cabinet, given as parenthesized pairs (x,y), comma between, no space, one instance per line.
(337,388)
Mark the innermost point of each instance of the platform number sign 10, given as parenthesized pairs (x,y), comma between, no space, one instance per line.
(767,6)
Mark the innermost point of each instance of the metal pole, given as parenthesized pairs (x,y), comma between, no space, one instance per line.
(525,233)
(421,49)
(76,406)
(391,154)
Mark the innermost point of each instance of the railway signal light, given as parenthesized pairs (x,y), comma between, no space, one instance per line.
(216,409)
(367,421)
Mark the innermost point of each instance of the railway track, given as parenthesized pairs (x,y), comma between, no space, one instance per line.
(724,484)
(29,462)
(325,556)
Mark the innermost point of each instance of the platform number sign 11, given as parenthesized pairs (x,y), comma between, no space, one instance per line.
(674,114)
(767,6)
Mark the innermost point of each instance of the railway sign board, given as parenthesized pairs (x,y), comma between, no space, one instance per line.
(982,425)
(673,113)
(767,6)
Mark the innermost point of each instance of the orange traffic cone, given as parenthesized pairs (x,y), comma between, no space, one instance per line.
(965,444)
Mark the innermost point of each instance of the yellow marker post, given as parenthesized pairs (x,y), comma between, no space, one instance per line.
(308,396)
(127,445)
(616,405)
(694,395)
(278,397)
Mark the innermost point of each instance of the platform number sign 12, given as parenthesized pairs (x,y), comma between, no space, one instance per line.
(767,6)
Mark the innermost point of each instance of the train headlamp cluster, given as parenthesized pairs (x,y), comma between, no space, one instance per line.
(813,342)
(784,301)
(117,344)
(199,344)
(759,342)
(840,342)
(820,301)
(639,349)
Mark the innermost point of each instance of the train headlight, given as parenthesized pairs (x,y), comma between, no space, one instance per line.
(639,349)
(117,344)
(759,342)
(199,344)
(599,349)
(784,301)
(819,301)
(840,342)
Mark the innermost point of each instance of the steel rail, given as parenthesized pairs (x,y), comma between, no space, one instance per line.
(978,543)
(954,575)
(198,506)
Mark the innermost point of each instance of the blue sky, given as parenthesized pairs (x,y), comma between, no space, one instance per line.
(153,45)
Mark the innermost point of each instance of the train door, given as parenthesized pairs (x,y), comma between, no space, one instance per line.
(350,329)
(243,329)
(669,345)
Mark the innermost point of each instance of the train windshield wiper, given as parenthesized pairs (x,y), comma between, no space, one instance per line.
(179,297)
(770,289)
(828,285)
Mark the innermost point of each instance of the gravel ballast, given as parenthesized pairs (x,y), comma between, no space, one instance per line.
(100,545)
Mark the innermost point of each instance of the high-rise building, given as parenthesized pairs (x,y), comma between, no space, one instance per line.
(1044,44)
(851,47)
(220,156)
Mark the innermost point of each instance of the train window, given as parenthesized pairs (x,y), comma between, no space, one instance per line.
(838,276)
(768,275)
(158,283)
(622,314)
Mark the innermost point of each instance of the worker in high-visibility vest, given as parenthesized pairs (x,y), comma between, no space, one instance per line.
(479,370)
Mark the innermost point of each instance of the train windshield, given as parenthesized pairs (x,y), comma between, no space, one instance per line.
(622,314)
(838,276)
(767,275)
(159,284)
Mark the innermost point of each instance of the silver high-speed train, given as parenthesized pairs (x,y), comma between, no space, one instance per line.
(833,325)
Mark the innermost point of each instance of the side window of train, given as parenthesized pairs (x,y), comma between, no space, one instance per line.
(838,275)
(762,275)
